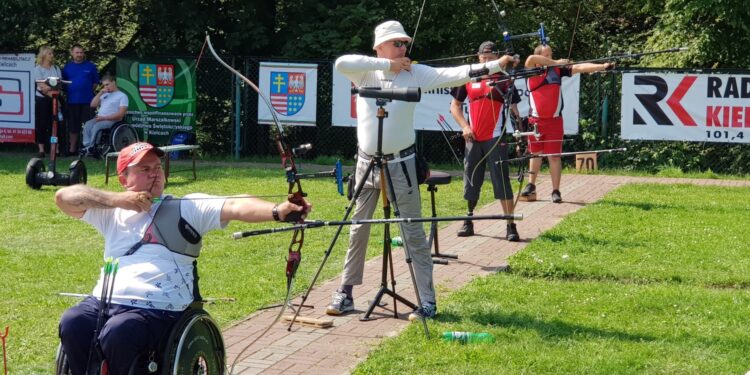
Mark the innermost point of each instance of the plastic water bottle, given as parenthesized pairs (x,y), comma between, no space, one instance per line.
(395,241)
(468,337)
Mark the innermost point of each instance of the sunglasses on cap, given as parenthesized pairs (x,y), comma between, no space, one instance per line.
(400,43)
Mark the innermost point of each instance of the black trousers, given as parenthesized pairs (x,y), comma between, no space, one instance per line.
(77,115)
(43,120)
(127,332)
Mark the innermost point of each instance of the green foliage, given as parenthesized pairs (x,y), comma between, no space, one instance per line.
(716,33)
(315,29)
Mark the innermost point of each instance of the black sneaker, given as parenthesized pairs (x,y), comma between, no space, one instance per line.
(556,197)
(467,230)
(511,233)
(529,192)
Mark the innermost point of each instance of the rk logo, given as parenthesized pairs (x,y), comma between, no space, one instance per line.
(651,101)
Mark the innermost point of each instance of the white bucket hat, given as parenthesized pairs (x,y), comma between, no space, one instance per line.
(389,30)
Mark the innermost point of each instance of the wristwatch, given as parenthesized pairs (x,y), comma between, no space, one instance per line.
(275,213)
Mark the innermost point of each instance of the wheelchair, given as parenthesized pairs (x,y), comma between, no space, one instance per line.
(193,346)
(114,139)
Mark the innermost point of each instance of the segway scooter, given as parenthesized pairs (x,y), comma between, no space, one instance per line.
(36,176)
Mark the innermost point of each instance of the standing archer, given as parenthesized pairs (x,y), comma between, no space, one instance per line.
(545,100)
(483,135)
(392,69)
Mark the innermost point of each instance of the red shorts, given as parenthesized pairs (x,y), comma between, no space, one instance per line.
(551,135)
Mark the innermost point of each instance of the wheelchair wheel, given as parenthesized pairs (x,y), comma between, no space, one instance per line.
(102,145)
(195,346)
(122,136)
(61,362)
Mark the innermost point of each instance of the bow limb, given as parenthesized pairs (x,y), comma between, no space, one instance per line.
(416,28)
(575,24)
(296,197)
(246,80)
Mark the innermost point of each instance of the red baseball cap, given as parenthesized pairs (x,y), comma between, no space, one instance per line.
(132,155)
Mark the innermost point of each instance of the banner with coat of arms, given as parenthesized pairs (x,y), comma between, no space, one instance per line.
(162,97)
(292,90)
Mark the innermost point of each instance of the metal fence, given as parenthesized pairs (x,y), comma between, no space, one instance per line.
(224,100)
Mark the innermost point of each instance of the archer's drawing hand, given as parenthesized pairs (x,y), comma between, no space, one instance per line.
(400,63)
(138,201)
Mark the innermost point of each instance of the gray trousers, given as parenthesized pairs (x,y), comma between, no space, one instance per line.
(409,204)
(91,127)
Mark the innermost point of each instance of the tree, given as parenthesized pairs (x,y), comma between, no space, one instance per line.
(716,32)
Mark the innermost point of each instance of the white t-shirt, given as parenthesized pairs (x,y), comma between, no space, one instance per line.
(398,127)
(153,277)
(111,102)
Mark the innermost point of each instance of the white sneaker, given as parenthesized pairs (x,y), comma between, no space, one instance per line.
(340,304)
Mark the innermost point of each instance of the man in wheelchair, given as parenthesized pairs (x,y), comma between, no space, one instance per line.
(156,239)
(113,106)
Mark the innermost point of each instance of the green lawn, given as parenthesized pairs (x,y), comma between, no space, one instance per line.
(650,280)
(43,252)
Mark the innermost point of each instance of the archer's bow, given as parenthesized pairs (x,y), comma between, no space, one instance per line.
(295,195)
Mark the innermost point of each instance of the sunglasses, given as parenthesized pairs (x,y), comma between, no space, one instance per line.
(400,43)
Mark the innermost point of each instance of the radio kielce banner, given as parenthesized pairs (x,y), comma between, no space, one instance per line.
(17,88)
(686,107)
(436,104)
(162,96)
(292,90)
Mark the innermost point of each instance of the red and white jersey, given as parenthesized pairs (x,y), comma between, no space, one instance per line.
(545,92)
(485,106)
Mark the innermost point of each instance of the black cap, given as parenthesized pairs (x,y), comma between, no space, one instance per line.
(487,47)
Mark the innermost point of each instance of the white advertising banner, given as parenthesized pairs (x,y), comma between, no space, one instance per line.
(17,98)
(686,107)
(435,105)
(292,90)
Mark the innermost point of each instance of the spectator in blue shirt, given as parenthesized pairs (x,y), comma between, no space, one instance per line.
(84,77)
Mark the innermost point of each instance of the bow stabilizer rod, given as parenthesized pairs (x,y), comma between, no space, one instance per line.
(336,223)
(532,156)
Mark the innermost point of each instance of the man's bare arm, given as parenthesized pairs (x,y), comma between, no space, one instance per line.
(255,210)
(75,200)
(458,115)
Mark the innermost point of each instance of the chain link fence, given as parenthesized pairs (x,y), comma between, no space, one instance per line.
(599,125)
(225,101)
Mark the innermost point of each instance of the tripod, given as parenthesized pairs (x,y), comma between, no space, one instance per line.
(379,161)
(387,255)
